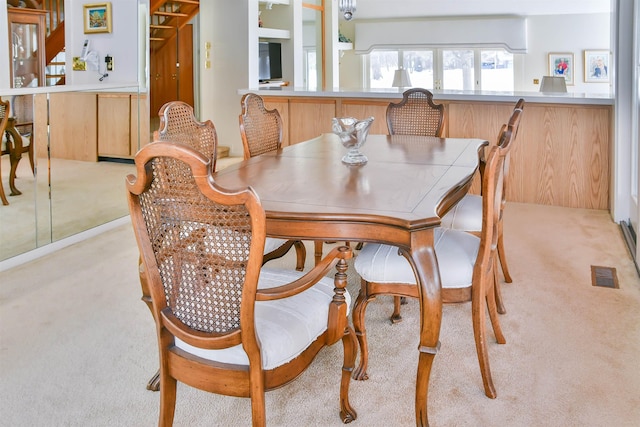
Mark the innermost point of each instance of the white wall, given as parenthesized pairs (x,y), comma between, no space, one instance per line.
(564,33)
(224,24)
(545,33)
(122,43)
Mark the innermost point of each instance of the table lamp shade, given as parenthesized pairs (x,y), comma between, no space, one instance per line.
(401,78)
(553,84)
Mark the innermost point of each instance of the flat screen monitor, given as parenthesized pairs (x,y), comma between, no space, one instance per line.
(270,61)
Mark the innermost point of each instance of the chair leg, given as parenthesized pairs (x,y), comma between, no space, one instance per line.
(479,333)
(493,308)
(397,302)
(503,256)
(497,290)
(258,411)
(154,382)
(350,349)
(167,400)
(361,333)
(31,154)
(301,254)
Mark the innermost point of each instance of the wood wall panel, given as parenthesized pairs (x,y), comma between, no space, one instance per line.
(114,126)
(361,109)
(309,118)
(561,156)
(73,126)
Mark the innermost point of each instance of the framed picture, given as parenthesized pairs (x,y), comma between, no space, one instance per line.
(596,66)
(562,65)
(97,18)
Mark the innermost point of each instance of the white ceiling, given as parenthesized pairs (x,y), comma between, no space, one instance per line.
(375,9)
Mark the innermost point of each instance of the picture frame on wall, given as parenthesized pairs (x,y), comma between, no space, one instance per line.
(97,18)
(562,65)
(596,66)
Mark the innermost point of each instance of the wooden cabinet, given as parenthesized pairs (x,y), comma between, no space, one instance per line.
(122,122)
(26,46)
(561,156)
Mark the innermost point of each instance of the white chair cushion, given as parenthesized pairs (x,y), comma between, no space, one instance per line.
(466,215)
(285,327)
(456,252)
(271,244)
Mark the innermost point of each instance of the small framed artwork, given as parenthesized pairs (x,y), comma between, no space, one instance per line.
(562,65)
(596,66)
(97,18)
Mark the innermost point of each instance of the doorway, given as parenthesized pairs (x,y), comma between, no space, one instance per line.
(171,71)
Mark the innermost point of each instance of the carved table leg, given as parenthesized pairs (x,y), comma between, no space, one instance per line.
(425,265)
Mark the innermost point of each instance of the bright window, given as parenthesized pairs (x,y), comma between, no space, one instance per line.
(452,69)
(496,70)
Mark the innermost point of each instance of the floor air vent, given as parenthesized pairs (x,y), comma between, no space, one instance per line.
(604,277)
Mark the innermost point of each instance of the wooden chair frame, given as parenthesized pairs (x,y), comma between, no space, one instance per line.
(177,364)
(481,291)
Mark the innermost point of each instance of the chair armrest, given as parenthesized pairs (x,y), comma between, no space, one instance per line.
(337,255)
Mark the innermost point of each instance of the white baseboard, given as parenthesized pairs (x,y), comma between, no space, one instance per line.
(63,243)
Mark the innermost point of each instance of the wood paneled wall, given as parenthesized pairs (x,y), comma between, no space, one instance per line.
(561,156)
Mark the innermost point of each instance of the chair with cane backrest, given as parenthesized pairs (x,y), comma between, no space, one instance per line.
(416,114)
(466,267)
(179,124)
(224,324)
(467,214)
(261,132)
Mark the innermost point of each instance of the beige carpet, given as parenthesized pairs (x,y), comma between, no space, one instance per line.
(77,345)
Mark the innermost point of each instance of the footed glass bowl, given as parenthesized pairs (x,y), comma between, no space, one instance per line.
(353,133)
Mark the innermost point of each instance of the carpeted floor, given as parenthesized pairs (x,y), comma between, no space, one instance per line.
(77,345)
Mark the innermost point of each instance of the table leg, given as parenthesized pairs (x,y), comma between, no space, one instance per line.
(425,265)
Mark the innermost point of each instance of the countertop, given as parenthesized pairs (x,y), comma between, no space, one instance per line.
(444,95)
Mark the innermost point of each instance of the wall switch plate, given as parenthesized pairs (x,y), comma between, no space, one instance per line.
(109,61)
(536,81)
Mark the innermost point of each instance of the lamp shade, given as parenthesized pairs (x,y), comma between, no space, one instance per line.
(553,84)
(401,78)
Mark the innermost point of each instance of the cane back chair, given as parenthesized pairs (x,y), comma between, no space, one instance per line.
(416,114)
(224,324)
(261,132)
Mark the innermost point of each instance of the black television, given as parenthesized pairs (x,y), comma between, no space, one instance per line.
(270,61)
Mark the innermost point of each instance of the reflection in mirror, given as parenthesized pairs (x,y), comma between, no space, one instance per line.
(18,218)
(80,160)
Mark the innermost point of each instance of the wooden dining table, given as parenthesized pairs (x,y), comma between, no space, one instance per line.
(396,198)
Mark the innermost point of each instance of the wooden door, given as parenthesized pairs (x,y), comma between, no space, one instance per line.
(172,71)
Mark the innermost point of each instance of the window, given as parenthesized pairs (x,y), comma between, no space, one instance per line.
(496,70)
(457,69)
(452,69)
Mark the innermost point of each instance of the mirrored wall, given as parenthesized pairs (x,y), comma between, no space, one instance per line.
(81,145)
